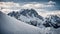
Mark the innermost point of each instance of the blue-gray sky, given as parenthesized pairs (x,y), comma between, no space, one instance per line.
(22,1)
(31,0)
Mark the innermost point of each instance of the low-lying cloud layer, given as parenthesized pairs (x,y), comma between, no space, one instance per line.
(7,7)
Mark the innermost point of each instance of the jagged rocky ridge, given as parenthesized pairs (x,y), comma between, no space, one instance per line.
(52,21)
(30,16)
(10,25)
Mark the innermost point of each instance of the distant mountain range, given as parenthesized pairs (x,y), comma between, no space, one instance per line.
(31,16)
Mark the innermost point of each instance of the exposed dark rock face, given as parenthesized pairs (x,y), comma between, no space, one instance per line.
(35,19)
(28,13)
(52,21)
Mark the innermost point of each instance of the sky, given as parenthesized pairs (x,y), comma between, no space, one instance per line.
(41,6)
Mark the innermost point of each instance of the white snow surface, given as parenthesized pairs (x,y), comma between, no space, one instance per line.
(10,25)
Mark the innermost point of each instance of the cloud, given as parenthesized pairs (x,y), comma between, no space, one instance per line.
(45,14)
(51,2)
(11,6)
(37,5)
(7,7)
(48,5)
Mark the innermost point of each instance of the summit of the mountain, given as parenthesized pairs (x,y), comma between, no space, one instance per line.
(10,25)
(27,15)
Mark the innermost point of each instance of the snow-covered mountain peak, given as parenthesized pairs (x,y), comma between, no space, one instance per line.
(27,15)
(52,21)
(10,25)
(31,13)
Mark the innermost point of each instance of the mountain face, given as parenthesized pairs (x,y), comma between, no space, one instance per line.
(31,13)
(10,25)
(52,21)
(29,16)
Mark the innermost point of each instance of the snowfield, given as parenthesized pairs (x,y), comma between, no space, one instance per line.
(10,25)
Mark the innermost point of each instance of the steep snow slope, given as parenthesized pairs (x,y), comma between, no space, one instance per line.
(9,25)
